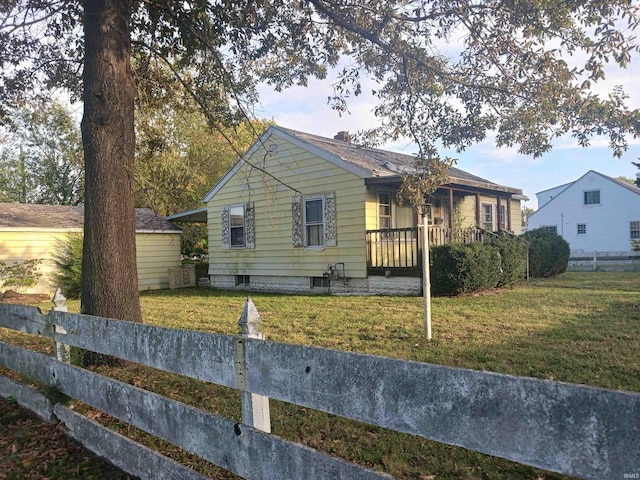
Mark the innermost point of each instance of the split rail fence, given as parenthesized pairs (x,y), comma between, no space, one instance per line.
(586,432)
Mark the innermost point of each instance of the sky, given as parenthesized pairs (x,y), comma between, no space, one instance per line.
(306,109)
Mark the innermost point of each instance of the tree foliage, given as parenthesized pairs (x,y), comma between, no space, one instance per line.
(41,157)
(67,273)
(178,154)
(446,71)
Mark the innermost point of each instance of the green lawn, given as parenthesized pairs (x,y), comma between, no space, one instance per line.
(579,327)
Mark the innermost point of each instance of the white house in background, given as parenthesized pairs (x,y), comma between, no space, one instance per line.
(594,213)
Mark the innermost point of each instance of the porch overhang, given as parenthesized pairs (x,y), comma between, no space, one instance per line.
(199,215)
(462,185)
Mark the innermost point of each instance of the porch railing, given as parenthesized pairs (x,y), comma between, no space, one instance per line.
(398,250)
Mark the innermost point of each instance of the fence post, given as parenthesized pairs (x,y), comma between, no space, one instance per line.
(255,408)
(63,352)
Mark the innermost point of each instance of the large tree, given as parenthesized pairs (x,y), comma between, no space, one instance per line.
(448,72)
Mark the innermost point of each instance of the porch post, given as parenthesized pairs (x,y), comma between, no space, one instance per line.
(499,212)
(478,224)
(509,214)
(451,208)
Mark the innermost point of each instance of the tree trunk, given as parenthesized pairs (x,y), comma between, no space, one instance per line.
(109,274)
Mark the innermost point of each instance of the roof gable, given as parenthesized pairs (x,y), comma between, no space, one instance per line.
(578,183)
(29,215)
(362,161)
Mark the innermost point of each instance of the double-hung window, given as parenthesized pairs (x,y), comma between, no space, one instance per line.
(592,197)
(582,228)
(503,217)
(236,225)
(314,221)
(634,230)
(487,216)
(384,210)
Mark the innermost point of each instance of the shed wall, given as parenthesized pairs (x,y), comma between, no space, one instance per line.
(156,254)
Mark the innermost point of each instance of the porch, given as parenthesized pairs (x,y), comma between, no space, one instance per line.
(398,251)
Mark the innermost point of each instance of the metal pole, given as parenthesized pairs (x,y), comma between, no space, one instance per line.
(426,280)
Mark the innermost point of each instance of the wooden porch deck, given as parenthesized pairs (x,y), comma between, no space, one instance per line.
(398,251)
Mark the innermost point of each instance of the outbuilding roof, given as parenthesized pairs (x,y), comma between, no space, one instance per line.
(29,215)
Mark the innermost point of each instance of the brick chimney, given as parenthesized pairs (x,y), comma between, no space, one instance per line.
(343,136)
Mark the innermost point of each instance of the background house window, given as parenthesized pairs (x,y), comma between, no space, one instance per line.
(592,197)
(243,280)
(384,210)
(551,228)
(582,229)
(236,225)
(314,221)
(634,230)
(487,216)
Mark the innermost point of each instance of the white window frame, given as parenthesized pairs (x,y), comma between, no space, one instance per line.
(551,228)
(503,216)
(232,227)
(391,215)
(323,224)
(634,229)
(483,222)
(584,229)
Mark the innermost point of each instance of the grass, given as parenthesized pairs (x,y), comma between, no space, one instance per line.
(579,327)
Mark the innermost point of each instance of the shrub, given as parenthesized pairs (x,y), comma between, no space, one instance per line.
(548,253)
(20,275)
(67,274)
(464,267)
(513,258)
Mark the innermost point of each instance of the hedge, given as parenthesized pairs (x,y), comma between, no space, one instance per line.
(548,253)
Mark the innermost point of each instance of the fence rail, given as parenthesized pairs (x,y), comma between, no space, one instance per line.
(581,431)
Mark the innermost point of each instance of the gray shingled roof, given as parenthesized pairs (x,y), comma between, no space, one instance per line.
(380,162)
(27,215)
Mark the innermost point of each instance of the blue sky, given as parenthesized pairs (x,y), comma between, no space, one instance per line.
(306,109)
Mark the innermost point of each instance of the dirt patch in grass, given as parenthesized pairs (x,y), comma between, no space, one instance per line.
(31,449)
(23,298)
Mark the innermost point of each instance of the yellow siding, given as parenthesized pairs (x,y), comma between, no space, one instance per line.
(157,253)
(403,215)
(466,211)
(18,246)
(516,217)
(274,253)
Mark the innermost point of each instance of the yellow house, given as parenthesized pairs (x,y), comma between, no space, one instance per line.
(29,231)
(303,213)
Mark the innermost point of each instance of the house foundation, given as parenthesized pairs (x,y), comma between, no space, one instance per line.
(374,285)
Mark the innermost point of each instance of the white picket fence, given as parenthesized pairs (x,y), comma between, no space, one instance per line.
(586,432)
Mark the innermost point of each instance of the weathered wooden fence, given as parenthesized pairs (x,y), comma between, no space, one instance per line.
(604,261)
(587,432)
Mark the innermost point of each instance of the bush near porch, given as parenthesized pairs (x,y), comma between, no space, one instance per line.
(469,267)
